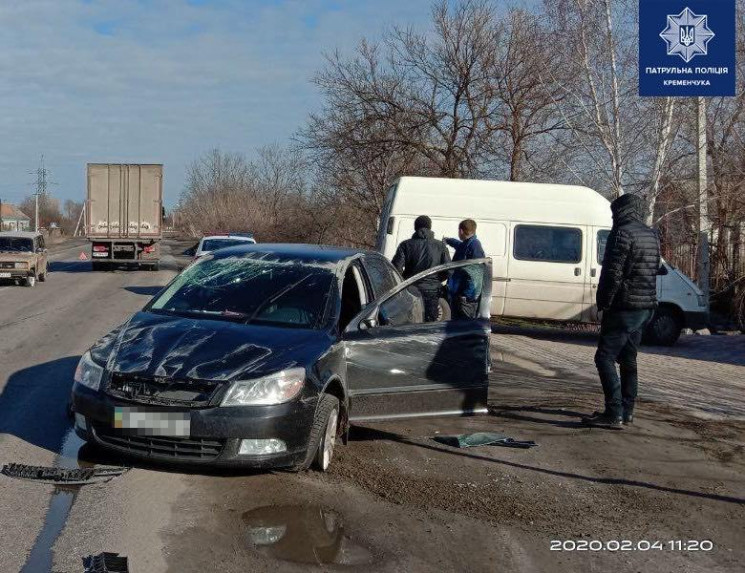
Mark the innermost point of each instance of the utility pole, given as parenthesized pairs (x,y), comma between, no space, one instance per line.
(703,267)
(1,213)
(41,189)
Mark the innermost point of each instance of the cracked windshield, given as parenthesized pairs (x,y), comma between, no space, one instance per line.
(250,289)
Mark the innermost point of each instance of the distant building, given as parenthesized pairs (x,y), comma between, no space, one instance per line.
(13,219)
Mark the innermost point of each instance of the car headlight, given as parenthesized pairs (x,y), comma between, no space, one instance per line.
(275,388)
(21,265)
(88,373)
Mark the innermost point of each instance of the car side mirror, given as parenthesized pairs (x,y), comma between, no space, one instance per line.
(40,251)
(662,270)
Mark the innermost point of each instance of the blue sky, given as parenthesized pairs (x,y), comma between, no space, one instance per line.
(164,80)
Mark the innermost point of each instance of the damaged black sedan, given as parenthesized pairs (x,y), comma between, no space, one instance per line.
(262,355)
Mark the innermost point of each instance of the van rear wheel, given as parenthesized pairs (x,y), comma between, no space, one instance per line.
(664,329)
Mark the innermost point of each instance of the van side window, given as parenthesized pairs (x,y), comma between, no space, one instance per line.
(602,240)
(548,244)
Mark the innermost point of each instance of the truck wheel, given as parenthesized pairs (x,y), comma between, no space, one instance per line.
(664,329)
(322,435)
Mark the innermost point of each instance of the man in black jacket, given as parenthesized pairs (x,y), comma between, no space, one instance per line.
(627,297)
(418,254)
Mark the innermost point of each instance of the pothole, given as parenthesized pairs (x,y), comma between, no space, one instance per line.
(303,534)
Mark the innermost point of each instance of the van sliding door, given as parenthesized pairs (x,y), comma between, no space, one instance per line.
(547,272)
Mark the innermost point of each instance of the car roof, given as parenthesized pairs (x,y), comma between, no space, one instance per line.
(20,234)
(232,237)
(297,251)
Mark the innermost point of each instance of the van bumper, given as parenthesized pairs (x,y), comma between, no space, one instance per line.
(696,320)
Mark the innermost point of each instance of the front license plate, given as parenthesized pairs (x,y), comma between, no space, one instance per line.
(4,275)
(148,423)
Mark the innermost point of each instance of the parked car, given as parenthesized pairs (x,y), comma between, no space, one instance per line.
(23,257)
(261,355)
(546,243)
(214,242)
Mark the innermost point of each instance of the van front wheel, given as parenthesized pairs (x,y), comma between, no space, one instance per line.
(665,328)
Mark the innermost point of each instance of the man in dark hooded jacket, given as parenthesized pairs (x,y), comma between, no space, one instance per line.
(627,297)
(420,253)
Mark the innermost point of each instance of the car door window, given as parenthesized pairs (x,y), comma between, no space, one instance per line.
(454,294)
(382,275)
(352,296)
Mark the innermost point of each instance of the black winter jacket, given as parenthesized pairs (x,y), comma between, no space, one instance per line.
(420,253)
(631,261)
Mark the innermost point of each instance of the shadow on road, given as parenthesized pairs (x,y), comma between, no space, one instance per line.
(362,433)
(714,348)
(33,405)
(144,290)
(70,266)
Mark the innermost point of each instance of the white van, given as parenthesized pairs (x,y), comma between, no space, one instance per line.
(546,243)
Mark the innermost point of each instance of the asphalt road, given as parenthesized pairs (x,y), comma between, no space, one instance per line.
(394,501)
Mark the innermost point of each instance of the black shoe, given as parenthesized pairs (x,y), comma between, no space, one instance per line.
(603,420)
(628,417)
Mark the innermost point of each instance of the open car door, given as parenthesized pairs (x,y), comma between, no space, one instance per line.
(401,365)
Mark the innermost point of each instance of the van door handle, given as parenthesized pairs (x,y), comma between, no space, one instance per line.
(593,272)
(577,271)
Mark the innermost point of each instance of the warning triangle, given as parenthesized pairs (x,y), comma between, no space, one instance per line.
(83,256)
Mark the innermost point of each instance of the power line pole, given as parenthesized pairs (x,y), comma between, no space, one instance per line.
(41,189)
(703,269)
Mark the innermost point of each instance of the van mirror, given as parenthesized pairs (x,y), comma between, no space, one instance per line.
(662,270)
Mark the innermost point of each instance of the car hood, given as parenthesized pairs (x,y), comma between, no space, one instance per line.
(153,345)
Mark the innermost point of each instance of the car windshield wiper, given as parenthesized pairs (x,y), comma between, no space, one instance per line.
(226,314)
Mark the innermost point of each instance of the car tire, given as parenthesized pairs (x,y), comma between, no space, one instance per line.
(31,280)
(322,435)
(664,329)
(42,277)
(444,313)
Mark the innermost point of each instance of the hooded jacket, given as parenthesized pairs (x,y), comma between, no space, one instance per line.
(420,253)
(628,280)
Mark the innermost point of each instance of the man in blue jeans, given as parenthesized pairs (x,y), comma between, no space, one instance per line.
(465,283)
(627,297)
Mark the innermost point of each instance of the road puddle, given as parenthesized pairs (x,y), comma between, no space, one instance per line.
(63,497)
(303,534)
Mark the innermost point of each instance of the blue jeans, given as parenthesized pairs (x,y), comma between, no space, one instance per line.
(620,335)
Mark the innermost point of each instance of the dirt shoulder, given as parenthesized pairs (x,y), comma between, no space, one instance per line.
(417,505)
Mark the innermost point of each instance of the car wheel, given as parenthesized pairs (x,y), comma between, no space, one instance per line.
(42,277)
(31,281)
(665,328)
(322,435)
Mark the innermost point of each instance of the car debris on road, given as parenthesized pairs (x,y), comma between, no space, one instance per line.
(484,439)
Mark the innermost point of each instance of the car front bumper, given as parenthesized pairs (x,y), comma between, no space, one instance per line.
(215,433)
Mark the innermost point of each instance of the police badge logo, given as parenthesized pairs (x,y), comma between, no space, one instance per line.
(687,35)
